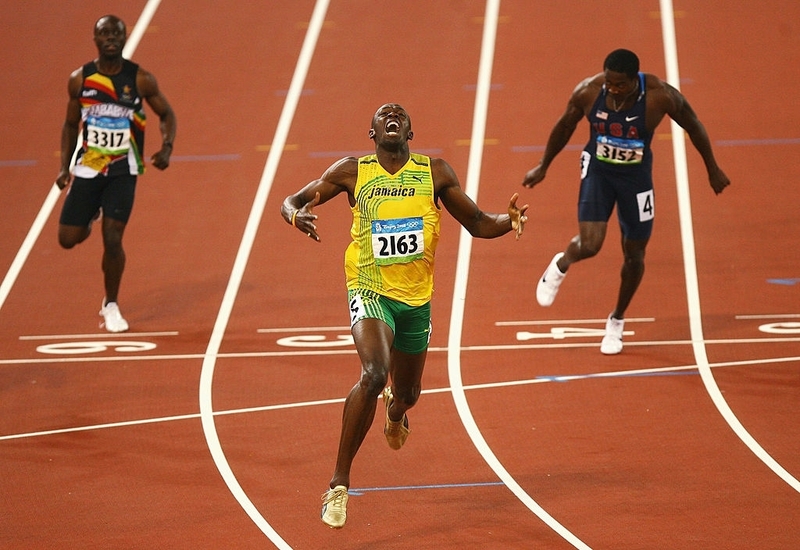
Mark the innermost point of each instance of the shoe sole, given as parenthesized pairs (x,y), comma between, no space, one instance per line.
(613,351)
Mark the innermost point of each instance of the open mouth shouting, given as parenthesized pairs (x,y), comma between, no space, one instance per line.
(392,127)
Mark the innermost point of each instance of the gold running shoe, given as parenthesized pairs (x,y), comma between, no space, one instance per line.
(334,507)
(396,432)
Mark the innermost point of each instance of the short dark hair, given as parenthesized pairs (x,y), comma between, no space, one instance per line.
(622,61)
(113,19)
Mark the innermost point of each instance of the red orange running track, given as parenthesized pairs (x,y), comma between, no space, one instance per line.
(105,448)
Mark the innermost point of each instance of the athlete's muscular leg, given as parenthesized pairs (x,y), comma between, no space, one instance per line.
(406,373)
(631,274)
(71,235)
(373,339)
(113,256)
(586,244)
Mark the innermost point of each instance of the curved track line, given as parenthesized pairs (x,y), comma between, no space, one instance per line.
(460,286)
(689,259)
(242,256)
(52,197)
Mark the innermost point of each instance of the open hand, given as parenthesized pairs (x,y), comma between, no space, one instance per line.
(517,215)
(303,219)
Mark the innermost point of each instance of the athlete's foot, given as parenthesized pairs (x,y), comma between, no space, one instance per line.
(112,318)
(334,507)
(612,341)
(548,285)
(396,432)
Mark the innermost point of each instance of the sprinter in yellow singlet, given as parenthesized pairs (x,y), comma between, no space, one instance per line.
(394,196)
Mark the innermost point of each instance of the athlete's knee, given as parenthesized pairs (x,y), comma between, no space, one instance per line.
(634,252)
(635,260)
(408,397)
(112,243)
(374,378)
(633,266)
(587,247)
(588,251)
(66,243)
(113,251)
(112,232)
(69,238)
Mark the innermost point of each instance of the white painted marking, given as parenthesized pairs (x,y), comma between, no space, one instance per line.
(780,328)
(303,329)
(460,287)
(776,316)
(690,263)
(75,348)
(628,320)
(240,263)
(96,335)
(433,349)
(315,341)
(561,333)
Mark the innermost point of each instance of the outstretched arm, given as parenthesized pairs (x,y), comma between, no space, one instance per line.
(562,131)
(297,209)
(479,223)
(681,112)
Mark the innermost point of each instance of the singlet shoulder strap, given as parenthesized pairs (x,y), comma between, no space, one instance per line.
(642,88)
(89,69)
(129,67)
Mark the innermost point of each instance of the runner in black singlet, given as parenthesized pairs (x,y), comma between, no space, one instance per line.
(105,109)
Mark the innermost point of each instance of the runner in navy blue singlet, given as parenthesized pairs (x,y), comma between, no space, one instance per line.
(623,108)
(617,167)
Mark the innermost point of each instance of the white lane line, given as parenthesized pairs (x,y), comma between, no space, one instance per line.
(570,322)
(690,264)
(776,316)
(319,402)
(303,329)
(460,286)
(240,263)
(96,335)
(432,349)
(52,197)
(472,387)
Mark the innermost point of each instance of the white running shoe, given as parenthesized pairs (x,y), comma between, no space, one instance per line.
(612,341)
(548,285)
(112,318)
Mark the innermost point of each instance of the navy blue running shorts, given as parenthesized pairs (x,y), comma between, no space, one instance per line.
(630,190)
